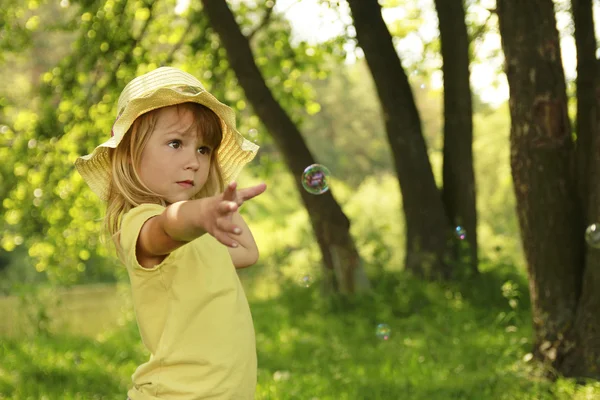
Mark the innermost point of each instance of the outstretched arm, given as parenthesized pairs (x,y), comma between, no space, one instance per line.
(246,254)
(184,221)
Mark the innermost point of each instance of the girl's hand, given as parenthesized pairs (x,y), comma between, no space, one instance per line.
(218,210)
(240,196)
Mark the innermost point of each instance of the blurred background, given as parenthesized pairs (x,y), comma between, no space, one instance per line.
(443,257)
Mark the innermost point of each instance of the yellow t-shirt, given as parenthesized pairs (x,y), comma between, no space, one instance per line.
(194,319)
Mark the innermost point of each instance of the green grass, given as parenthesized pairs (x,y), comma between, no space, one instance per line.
(459,341)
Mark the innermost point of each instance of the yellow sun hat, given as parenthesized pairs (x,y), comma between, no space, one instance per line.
(162,87)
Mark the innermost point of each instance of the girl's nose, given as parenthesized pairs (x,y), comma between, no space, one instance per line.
(192,161)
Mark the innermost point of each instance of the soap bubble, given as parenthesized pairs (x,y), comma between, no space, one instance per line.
(383,331)
(592,236)
(315,179)
(306,280)
(460,232)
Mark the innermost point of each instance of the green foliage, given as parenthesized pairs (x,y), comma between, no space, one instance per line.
(351,125)
(69,106)
(371,200)
(499,236)
(447,341)
(46,206)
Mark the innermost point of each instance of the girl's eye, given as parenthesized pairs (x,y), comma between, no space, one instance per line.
(204,150)
(175,144)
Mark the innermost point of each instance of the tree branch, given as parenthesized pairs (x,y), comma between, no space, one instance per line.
(178,45)
(264,22)
(127,56)
(482,28)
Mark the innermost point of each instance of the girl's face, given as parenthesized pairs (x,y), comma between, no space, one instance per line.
(175,161)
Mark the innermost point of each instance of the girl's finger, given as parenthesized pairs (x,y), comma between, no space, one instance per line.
(226,240)
(248,193)
(225,225)
(226,207)
(229,193)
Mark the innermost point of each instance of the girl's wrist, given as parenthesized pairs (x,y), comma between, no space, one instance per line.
(183,221)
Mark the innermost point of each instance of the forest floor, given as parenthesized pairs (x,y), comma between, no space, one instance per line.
(446,341)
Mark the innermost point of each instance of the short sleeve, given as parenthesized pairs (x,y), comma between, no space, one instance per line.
(131,226)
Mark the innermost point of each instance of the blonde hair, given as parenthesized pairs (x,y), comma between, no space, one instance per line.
(126,189)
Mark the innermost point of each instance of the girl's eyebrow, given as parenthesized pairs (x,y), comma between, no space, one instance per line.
(179,132)
(186,133)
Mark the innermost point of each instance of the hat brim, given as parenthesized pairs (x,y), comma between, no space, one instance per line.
(234,152)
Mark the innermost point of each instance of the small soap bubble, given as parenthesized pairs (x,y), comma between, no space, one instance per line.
(383,331)
(423,86)
(253,132)
(315,179)
(592,236)
(460,232)
(306,280)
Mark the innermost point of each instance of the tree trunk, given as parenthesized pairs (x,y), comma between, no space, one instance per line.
(584,358)
(458,192)
(427,226)
(542,167)
(585,41)
(343,268)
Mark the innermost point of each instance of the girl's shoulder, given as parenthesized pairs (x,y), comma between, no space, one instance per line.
(134,219)
(146,210)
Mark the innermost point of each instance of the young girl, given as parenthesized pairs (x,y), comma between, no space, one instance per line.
(167,174)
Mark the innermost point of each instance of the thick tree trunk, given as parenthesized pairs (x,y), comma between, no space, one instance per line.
(583,359)
(585,41)
(459,178)
(542,167)
(331,226)
(427,226)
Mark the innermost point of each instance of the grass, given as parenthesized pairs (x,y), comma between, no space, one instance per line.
(459,341)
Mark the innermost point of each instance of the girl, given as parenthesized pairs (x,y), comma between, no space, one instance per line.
(167,174)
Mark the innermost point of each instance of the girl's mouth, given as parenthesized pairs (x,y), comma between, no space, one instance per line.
(186,184)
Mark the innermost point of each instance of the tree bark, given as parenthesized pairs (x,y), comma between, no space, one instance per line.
(458,192)
(343,269)
(542,166)
(427,226)
(583,359)
(585,41)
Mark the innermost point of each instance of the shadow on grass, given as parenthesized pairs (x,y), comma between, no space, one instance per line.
(62,367)
(449,340)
